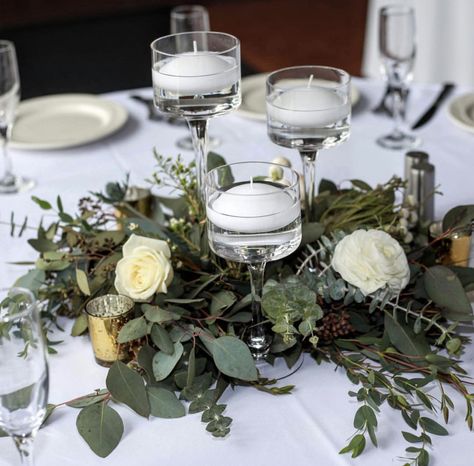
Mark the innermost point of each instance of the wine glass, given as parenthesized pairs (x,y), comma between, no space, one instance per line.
(308,108)
(9,98)
(196,75)
(397,51)
(189,18)
(253,217)
(23,371)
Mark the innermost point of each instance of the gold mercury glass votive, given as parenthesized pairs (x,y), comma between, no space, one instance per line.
(140,199)
(455,249)
(107,315)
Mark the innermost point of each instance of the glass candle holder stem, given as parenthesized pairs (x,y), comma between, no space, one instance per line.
(199,136)
(309,173)
(24,444)
(258,339)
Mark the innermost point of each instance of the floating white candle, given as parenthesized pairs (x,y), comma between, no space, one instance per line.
(195,73)
(253,208)
(308,107)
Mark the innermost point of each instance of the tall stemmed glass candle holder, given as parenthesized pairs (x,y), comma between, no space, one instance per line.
(397,52)
(196,75)
(23,371)
(253,216)
(308,108)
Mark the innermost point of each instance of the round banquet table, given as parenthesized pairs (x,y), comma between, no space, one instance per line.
(308,427)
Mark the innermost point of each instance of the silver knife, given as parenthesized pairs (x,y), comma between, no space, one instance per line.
(428,114)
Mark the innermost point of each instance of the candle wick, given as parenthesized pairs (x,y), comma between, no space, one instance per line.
(310,80)
(195,47)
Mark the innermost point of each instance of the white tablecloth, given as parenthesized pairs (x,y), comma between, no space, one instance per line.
(306,428)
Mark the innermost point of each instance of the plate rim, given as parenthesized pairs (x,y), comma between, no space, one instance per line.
(117,111)
(453,109)
(253,79)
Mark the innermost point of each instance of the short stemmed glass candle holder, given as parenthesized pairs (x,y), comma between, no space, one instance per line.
(397,53)
(253,216)
(23,371)
(308,109)
(196,75)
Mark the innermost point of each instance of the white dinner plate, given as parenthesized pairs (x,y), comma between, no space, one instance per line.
(253,97)
(461,111)
(65,120)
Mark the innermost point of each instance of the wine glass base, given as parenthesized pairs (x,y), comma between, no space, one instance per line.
(399,141)
(16,184)
(186,143)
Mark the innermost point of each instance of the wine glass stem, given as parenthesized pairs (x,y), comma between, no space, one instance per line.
(6,178)
(199,136)
(24,445)
(309,172)
(399,100)
(258,340)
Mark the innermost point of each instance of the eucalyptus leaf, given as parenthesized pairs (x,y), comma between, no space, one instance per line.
(88,400)
(32,280)
(163,363)
(404,338)
(83,282)
(80,325)
(222,300)
(446,290)
(127,386)
(164,403)
(311,232)
(233,358)
(101,427)
(161,338)
(459,216)
(158,315)
(133,330)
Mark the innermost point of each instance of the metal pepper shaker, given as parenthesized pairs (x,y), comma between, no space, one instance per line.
(422,188)
(413,158)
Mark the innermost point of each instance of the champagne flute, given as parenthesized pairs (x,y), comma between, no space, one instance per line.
(189,18)
(253,217)
(9,98)
(23,371)
(397,51)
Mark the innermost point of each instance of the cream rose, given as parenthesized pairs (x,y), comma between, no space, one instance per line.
(145,268)
(371,260)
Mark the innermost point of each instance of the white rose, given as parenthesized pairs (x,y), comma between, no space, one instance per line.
(145,268)
(371,260)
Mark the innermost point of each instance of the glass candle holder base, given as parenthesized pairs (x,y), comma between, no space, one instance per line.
(186,143)
(259,345)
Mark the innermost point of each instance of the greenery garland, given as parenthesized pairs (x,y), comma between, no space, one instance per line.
(188,344)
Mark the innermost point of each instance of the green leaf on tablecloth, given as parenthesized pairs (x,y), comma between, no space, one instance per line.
(45,205)
(423,458)
(326,185)
(133,330)
(221,301)
(101,427)
(32,280)
(161,338)
(356,446)
(88,400)
(164,403)
(83,282)
(81,324)
(432,426)
(446,290)
(127,386)
(163,363)
(404,338)
(233,358)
